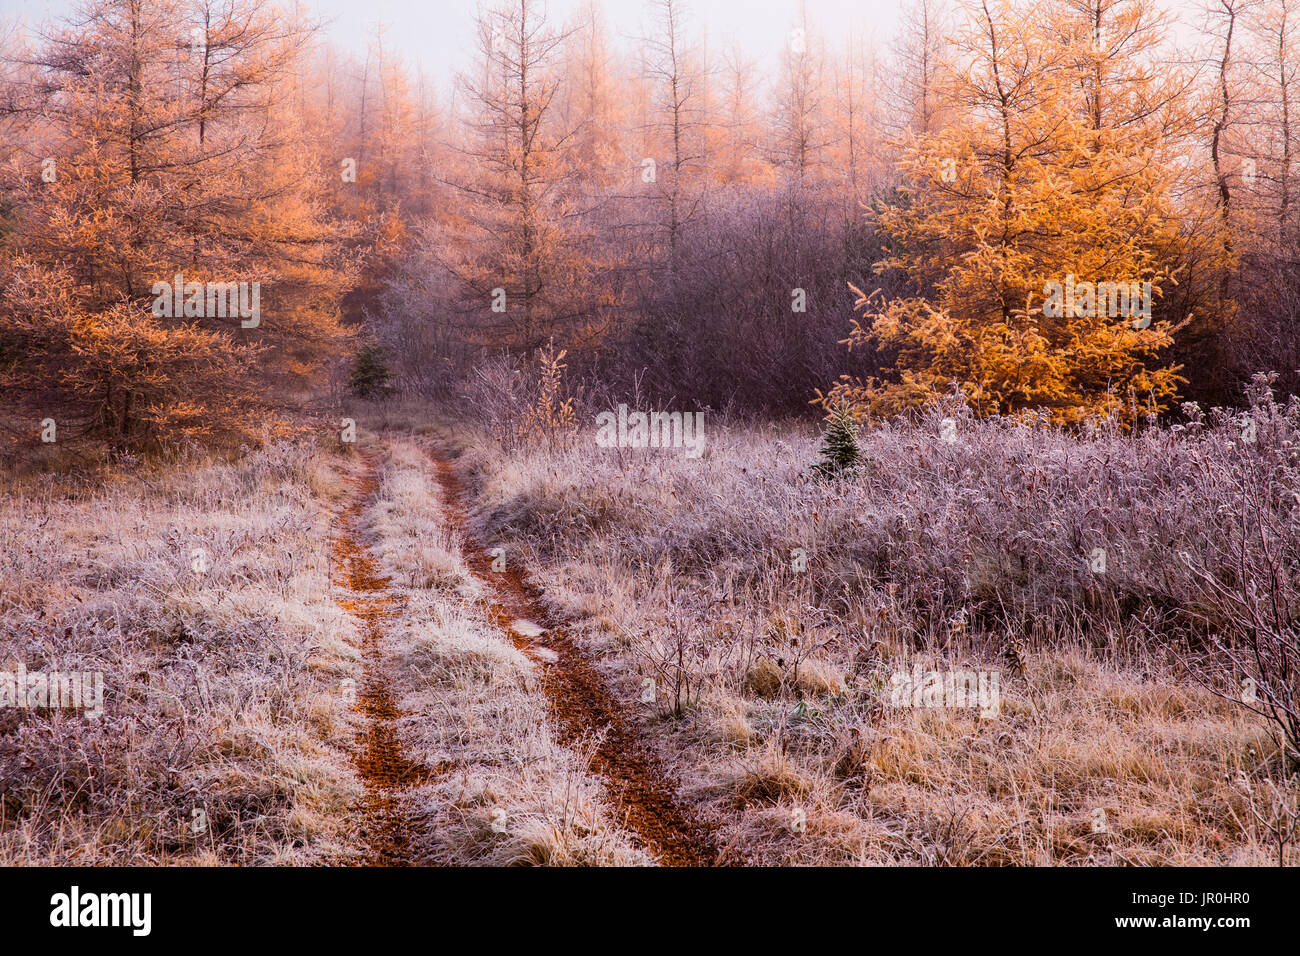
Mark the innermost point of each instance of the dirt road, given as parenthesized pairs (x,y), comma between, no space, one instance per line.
(642,798)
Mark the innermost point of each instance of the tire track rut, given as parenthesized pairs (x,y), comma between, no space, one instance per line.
(380,759)
(645,800)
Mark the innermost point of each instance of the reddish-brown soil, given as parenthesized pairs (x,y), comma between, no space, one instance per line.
(645,801)
(384,826)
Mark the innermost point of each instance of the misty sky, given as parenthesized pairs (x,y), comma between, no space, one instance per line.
(439,34)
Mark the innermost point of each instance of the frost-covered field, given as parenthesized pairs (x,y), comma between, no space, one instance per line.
(1135,575)
(201,593)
